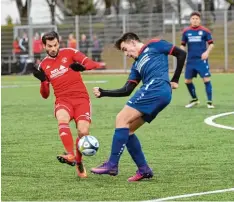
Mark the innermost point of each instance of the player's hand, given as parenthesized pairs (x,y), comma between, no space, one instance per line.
(204,55)
(97,92)
(77,67)
(39,74)
(174,85)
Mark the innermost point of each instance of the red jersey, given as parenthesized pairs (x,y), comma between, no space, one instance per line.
(65,81)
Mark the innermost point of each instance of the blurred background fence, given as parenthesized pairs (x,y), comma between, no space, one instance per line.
(95,36)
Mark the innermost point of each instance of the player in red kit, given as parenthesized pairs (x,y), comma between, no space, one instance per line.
(72,99)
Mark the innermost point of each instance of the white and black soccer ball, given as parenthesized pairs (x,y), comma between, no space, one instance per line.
(88,145)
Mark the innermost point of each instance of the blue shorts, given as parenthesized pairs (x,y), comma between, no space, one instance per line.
(195,67)
(151,100)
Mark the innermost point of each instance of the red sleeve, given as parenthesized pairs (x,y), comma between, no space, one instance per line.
(84,60)
(45,89)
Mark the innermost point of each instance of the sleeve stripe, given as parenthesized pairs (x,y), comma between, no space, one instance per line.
(134,81)
(171,50)
(210,41)
(83,60)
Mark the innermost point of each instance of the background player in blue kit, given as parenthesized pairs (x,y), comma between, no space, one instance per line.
(150,67)
(197,37)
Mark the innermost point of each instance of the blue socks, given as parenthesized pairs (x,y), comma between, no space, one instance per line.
(135,150)
(191,89)
(119,141)
(208,90)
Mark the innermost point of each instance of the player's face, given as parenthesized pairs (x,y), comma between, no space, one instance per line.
(52,47)
(129,48)
(195,21)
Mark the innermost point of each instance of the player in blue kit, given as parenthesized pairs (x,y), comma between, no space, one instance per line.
(150,67)
(197,37)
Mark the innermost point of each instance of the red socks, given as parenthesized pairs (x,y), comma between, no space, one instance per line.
(66,137)
(78,154)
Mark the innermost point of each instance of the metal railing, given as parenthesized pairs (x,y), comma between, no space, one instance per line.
(109,28)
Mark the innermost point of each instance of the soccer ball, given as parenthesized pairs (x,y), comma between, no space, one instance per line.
(88,145)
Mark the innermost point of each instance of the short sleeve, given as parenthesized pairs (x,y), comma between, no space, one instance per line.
(134,76)
(163,46)
(209,38)
(184,39)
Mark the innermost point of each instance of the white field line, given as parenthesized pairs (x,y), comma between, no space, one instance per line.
(191,195)
(210,122)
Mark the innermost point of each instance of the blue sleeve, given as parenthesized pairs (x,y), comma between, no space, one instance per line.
(163,46)
(134,76)
(209,37)
(184,39)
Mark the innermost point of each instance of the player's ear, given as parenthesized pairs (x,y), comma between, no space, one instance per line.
(133,43)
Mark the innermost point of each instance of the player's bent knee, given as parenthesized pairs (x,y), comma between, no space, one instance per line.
(121,120)
(83,128)
(206,79)
(187,81)
(83,132)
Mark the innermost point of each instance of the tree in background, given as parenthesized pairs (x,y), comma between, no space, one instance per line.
(23,10)
(230,8)
(112,3)
(9,20)
(52,4)
(80,7)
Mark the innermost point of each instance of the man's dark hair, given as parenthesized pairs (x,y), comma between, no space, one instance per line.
(195,13)
(50,36)
(126,37)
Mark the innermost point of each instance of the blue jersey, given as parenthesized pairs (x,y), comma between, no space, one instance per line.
(152,63)
(197,39)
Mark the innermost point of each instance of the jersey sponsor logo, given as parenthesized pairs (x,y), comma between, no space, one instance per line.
(194,38)
(142,62)
(62,67)
(64,60)
(200,33)
(58,72)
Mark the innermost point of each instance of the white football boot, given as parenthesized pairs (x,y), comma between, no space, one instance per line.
(192,103)
(210,105)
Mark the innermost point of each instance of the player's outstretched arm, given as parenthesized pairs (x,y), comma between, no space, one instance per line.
(181,56)
(83,63)
(126,90)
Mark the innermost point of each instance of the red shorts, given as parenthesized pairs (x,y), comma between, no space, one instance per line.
(78,109)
